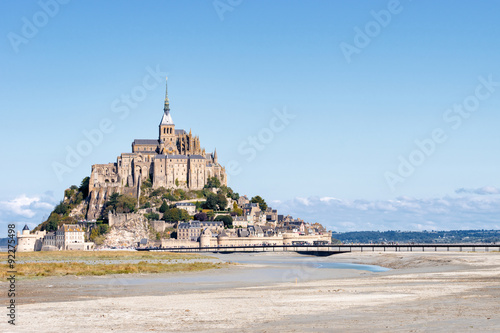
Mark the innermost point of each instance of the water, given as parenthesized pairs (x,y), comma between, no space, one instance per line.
(256,270)
(313,263)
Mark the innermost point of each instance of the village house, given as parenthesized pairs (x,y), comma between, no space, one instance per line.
(187,206)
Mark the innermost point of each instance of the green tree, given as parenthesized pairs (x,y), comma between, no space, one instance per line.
(211,202)
(210,215)
(228,220)
(146,184)
(200,216)
(231,194)
(213,182)
(260,201)
(120,204)
(52,223)
(62,208)
(163,207)
(103,228)
(176,214)
(198,205)
(221,201)
(152,216)
(237,209)
(84,187)
(79,198)
(215,202)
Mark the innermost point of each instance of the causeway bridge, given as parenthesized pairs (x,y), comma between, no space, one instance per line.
(330,249)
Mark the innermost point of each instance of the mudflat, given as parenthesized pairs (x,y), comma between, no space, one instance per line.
(422,292)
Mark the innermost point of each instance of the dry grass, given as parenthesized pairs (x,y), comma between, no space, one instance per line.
(100,255)
(77,268)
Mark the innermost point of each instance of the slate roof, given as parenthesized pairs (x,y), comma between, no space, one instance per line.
(250,205)
(189,225)
(145,142)
(178,157)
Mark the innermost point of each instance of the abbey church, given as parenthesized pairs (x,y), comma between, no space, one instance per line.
(174,160)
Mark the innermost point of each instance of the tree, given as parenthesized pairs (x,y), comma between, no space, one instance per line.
(120,204)
(228,220)
(230,193)
(213,182)
(176,214)
(221,201)
(210,215)
(62,208)
(52,223)
(211,202)
(237,210)
(152,216)
(215,202)
(84,187)
(260,201)
(146,184)
(163,207)
(200,216)
(103,228)
(79,198)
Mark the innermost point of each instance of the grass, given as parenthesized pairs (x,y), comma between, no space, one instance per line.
(77,268)
(100,255)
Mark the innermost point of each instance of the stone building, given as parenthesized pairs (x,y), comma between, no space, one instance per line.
(187,206)
(28,242)
(189,230)
(67,237)
(174,160)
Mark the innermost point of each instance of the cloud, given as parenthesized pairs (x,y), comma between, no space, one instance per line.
(472,211)
(24,206)
(26,209)
(485,190)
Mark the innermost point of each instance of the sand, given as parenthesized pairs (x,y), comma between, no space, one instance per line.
(423,292)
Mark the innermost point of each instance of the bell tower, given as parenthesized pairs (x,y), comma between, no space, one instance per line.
(167,137)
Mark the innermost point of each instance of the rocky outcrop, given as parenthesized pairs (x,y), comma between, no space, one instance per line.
(126,230)
(79,211)
(97,199)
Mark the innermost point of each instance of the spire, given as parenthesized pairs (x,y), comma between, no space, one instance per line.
(215,155)
(167,118)
(166,107)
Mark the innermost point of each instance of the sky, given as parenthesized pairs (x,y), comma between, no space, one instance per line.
(360,115)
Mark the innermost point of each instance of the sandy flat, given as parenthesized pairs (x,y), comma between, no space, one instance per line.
(423,292)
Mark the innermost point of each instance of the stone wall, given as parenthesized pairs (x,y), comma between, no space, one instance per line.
(126,230)
(160,226)
(177,243)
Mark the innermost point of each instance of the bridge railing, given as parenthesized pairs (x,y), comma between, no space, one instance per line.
(341,248)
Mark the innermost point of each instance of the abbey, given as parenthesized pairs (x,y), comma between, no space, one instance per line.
(174,160)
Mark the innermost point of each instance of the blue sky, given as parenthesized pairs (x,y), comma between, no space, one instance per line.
(360,81)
